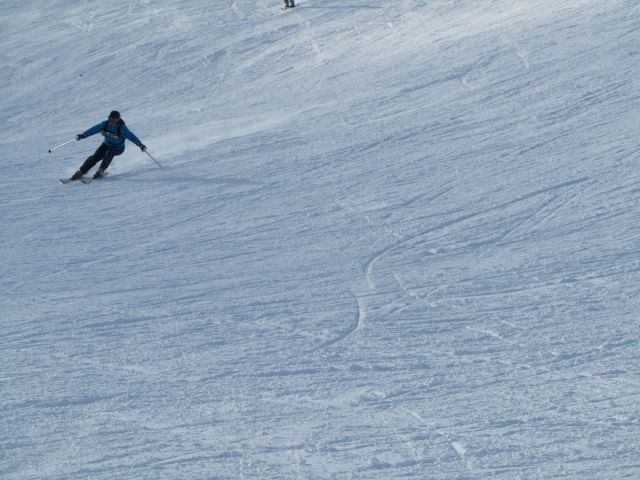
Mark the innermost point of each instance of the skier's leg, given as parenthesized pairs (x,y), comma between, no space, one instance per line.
(286,3)
(111,152)
(93,159)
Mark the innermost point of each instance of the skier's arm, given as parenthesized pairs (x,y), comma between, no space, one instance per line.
(92,131)
(131,136)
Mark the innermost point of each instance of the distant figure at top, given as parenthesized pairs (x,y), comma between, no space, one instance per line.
(115,132)
(289,3)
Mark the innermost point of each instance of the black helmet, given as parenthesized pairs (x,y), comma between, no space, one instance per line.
(115,115)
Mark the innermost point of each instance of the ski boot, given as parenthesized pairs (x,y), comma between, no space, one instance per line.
(77,176)
(99,173)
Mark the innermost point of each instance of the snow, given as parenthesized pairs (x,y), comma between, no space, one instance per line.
(391,240)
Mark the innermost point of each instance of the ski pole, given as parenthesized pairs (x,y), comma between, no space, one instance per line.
(61,145)
(151,156)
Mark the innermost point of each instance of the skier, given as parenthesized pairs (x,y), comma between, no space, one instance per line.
(115,132)
(289,3)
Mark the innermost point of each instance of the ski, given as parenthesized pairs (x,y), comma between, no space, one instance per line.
(65,181)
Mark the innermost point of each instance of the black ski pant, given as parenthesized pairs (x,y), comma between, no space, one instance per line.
(104,153)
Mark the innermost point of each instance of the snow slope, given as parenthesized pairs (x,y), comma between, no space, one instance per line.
(391,240)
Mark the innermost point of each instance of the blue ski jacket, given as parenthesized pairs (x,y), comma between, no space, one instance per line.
(114,135)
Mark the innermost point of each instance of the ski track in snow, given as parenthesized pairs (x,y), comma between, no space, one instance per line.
(420,236)
(388,241)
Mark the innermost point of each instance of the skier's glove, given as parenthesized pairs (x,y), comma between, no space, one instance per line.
(80,136)
(143,147)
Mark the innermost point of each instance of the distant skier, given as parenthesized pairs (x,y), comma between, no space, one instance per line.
(289,3)
(115,132)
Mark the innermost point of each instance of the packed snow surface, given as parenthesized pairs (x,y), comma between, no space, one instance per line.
(390,240)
